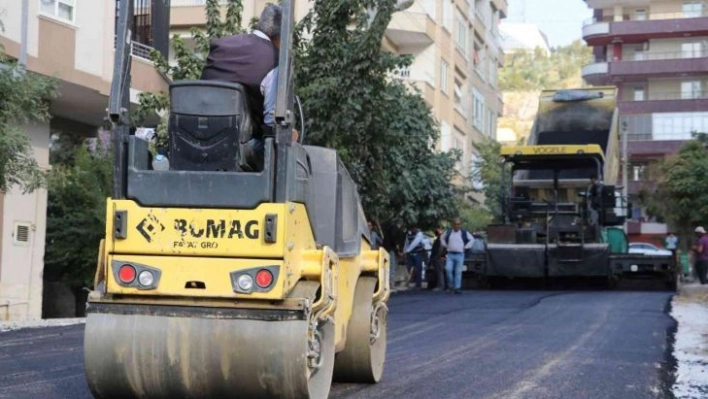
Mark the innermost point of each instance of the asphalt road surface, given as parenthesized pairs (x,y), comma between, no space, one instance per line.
(482,344)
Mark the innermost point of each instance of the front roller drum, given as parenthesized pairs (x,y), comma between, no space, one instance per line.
(132,355)
(363,357)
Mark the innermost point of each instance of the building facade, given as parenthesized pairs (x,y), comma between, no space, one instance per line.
(74,41)
(656,53)
(457,52)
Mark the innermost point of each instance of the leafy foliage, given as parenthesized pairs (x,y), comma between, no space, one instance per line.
(382,129)
(23,99)
(525,71)
(680,191)
(76,214)
(488,171)
(474,217)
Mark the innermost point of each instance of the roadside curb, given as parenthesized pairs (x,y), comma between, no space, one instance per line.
(40,323)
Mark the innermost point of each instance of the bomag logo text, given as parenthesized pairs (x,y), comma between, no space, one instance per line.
(219,229)
(549,150)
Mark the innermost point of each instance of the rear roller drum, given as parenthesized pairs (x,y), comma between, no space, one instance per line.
(362,359)
(163,356)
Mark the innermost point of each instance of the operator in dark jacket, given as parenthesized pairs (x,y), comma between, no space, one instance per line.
(251,59)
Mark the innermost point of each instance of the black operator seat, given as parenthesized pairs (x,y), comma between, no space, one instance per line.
(209,126)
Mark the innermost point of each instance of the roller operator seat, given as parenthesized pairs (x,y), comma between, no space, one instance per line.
(209,126)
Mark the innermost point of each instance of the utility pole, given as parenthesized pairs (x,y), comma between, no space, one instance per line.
(23,37)
(625,170)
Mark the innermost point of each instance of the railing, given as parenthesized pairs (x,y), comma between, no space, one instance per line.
(140,50)
(649,17)
(187,3)
(655,56)
(661,126)
(672,95)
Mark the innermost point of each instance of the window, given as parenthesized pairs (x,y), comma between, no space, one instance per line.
(691,50)
(640,15)
(692,9)
(491,122)
(638,94)
(63,9)
(638,172)
(459,145)
(458,95)
(461,35)
(445,134)
(447,15)
(444,71)
(430,7)
(476,172)
(691,90)
(478,119)
(493,72)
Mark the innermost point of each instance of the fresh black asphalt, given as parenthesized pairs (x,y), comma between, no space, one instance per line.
(482,344)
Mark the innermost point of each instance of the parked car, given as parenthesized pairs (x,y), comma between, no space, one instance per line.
(647,249)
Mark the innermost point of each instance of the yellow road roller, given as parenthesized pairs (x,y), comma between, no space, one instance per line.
(215,281)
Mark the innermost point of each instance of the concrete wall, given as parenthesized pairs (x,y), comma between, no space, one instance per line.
(22,263)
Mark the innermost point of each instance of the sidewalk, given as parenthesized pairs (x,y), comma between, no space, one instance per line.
(690,310)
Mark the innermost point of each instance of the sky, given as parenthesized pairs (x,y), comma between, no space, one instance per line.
(560,20)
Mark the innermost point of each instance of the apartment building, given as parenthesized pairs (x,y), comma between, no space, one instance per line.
(74,41)
(457,53)
(656,53)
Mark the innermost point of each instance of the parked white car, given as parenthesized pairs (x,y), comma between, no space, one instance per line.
(647,249)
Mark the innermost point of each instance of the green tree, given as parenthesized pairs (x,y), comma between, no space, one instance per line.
(76,213)
(381,128)
(474,217)
(534,70)
(680,191)
(23,99)
(488,172)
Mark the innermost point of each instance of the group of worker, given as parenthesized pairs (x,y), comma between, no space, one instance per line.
(443,256)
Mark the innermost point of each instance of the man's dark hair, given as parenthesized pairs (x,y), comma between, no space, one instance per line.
(269,22)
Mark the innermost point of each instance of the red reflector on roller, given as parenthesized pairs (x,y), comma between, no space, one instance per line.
(126,274)
(264,278)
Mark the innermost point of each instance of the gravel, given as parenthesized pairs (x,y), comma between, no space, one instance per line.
(690,309)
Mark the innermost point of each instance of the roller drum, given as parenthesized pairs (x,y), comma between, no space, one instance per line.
(132,355)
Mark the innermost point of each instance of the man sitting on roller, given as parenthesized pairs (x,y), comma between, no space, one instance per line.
(251,59)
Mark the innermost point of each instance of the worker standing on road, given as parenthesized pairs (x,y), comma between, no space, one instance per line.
(437,263)
(456,241)
(700,253)
(594,200)
(414,254)
(671,243)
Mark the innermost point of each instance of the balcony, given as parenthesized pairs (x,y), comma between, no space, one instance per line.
(666,102)
(411,29)
(595,72)
(418,79)
(642,66)
(606,30)
(596,29)
(662,127)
